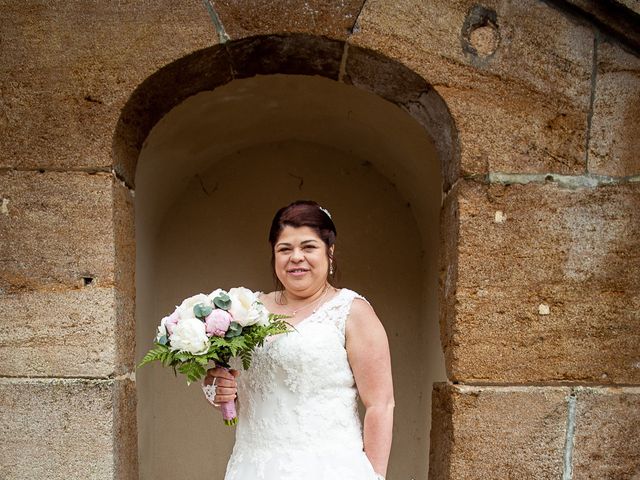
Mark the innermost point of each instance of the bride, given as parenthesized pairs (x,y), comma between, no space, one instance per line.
(298,415)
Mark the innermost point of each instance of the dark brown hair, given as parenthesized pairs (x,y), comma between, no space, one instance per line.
(303,213)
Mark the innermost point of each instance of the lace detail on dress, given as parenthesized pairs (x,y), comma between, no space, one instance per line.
(298,413)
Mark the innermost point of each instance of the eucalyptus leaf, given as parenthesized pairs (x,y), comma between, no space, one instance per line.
(223,301)
(163,340)
(201,310)
(235,329)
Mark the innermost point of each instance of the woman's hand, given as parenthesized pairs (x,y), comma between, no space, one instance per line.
(225,382)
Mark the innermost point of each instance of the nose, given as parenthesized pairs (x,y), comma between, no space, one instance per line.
(297,255)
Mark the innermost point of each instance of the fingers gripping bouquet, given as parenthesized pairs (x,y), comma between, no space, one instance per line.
(214,327)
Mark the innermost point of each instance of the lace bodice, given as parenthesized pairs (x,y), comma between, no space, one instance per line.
(298,405)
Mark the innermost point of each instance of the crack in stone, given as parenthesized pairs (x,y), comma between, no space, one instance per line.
(566,181)
(217,23)
(567,471)
(594,73)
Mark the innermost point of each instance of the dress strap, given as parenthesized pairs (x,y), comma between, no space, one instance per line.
(338,312)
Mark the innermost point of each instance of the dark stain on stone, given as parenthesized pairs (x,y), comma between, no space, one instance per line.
(477,18)
(91,99)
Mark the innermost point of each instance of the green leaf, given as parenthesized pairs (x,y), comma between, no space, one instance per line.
(223,301)
(235,329)
(201,310)
(159,353)
(193,371)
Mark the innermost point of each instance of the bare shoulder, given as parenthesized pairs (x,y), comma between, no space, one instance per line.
(362,316)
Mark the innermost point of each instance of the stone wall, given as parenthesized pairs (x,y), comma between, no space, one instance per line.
(540,279)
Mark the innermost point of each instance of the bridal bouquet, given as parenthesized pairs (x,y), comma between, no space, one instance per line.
(214,327)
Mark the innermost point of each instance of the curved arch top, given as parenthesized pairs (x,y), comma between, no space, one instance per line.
(296,54)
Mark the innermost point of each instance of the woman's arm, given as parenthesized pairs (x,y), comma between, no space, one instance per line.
(368,351)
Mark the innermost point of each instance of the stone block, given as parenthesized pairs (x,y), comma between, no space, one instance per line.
(516,76)
(498,432)
(246,18)
(60,333)
(125,264)
(67,283)
(614,144)
(548,284)
(57,230)
(607,434)
(62,429)
(71,66)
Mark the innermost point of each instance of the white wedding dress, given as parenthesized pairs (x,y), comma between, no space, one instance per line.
(298,417)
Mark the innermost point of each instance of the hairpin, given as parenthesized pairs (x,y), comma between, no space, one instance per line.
(325,211)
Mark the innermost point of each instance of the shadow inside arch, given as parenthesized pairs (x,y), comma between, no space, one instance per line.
(294,54)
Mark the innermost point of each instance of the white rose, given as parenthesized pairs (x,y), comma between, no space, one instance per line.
(185,310)
(162,329)
(241,301)
(215,293)
(258,314)
(190,335)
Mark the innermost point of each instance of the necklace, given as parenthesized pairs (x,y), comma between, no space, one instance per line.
(314,303)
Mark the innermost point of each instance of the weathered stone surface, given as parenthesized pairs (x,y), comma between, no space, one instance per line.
(520,108)
(288,54)
(498,432)
(607,434)
(67,279)
(57,231)
(125,263)
(59,333)
(68,68)
(247,18)
(125,432)
(526,249)
(202,70)
(61,429)
(614,144)
(393,81)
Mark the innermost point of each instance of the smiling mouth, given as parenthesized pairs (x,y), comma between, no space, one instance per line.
(298,270)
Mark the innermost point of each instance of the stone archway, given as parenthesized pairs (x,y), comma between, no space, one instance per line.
(204,72)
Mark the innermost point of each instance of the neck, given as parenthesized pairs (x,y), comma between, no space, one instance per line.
(293,298)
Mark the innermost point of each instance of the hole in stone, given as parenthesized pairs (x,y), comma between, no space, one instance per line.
(480,33)
(86,281)
(484,39)
(41,170)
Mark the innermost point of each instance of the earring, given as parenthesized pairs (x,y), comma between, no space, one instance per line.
(331,268)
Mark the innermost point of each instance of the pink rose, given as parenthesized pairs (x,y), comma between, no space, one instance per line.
(217,322)
(171,322)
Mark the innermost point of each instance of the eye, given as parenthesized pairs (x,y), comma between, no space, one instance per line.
(310,247)
(283,250)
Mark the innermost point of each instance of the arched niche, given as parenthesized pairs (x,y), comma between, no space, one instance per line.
(226,157)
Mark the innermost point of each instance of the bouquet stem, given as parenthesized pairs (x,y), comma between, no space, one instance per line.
(228,409)
(229,414)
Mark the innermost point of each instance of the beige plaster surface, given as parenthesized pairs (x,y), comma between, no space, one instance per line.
(209,164)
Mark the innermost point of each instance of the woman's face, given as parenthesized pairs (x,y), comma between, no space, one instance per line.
(301,260)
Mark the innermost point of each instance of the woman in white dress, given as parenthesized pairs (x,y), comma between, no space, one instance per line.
(297,403)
